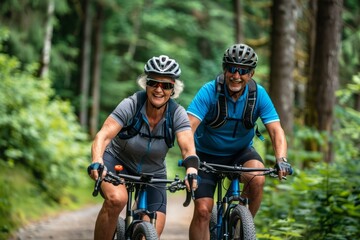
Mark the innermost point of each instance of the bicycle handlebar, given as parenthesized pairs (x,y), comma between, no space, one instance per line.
(116,179)
(216,168)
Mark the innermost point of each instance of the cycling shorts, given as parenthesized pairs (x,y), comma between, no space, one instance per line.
(156,195)
(207,181)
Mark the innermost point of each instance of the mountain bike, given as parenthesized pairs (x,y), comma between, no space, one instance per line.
(231,218)
(133,227)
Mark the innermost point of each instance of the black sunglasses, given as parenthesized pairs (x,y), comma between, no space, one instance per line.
(241,71)
(155,84)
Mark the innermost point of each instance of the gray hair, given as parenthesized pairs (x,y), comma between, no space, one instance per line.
(178,86)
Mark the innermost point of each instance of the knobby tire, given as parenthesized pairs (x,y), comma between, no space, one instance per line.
(241,224)
(120,229)
(144,230)
(213,223)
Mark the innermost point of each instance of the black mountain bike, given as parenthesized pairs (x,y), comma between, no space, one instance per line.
(133,227)
(231,218)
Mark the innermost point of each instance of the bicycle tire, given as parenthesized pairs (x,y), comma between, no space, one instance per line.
(144,230)
(120,229)
(241,224)
(213,223)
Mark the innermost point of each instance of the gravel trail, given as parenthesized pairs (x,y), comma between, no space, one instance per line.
(79,225)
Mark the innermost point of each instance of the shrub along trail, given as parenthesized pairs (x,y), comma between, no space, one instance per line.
(79,225)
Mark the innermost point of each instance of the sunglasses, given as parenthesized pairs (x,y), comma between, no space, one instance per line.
(155,84)
(241,71)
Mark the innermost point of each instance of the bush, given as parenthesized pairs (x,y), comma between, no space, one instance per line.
(39,131)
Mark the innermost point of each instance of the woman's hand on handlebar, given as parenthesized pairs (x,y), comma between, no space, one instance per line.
(191,179)
(94,169)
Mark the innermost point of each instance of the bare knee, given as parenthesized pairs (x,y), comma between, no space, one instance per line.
(203,209)
(115,200)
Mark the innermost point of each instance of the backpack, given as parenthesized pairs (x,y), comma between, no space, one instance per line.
(133,128)
(219,115)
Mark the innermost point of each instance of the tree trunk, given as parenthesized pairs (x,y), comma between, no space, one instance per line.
(283,60)
(136,23)
(85,65)
(325,76)
(94,119)
(45,56)
(237,18)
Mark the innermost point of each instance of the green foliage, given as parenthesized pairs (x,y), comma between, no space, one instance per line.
(347,123)
(38,131)
(323,200)
(43,150)
(316,204)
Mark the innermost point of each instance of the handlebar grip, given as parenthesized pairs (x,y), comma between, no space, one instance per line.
(188,198)
(291,171)
(98,181)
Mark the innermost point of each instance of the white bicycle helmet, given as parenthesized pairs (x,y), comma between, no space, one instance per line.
(163,65)
(240,54)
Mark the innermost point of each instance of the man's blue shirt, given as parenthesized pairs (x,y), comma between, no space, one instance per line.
(232,136)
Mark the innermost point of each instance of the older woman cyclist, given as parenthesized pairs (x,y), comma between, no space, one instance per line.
(142,153)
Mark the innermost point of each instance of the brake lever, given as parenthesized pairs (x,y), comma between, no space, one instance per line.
(98,181)
(189,195)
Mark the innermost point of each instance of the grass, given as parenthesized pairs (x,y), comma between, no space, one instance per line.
(22,202)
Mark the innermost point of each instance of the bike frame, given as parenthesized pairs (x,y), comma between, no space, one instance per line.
(139,183)
(227,203)
(134,216)
(232,198)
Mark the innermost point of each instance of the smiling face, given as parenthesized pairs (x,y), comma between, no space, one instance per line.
(159,89)
(236,78)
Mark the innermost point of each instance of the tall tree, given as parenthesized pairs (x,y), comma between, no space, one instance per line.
(324,76)
(238,26)
(45,56)
(85,64)
(95,107)
(282,60)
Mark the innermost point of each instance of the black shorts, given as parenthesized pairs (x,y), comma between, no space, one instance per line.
(156,195)
(207,183)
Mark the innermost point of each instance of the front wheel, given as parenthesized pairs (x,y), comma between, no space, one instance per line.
(213,224)
(241,224)
(144,230)
(120,229)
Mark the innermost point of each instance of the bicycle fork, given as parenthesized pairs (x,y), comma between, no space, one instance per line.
(225,206)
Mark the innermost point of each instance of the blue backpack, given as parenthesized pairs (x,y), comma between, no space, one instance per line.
(133,128)
(220,109)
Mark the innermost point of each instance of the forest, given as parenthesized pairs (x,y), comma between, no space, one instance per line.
(66,64)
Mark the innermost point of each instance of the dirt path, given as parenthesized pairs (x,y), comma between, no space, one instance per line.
(79,225)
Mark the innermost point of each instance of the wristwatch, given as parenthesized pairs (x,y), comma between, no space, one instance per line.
(284,159)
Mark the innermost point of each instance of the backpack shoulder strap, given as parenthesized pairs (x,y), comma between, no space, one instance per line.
(134,126)
(220,106)
(169,123)
(248,113)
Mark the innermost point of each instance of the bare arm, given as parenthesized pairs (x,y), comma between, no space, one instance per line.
(194,122)
(278,139)
(107,132)
(186,143)
(187,146)
(279,143)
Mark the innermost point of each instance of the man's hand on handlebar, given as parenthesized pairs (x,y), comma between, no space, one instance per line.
(284,168)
